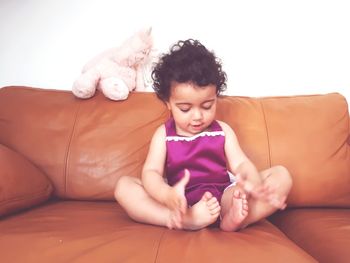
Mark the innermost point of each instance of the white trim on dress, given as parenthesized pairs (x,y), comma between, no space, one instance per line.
(192,138)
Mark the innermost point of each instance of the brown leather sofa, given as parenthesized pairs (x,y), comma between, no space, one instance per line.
(60,158)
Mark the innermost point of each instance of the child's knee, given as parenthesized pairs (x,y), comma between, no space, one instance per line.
(120,187)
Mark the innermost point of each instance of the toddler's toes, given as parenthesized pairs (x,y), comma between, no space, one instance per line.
(212,201)
(207,196)
(215,211)
(213,205)
(237,194)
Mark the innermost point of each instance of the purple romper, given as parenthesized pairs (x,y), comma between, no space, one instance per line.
(203,155)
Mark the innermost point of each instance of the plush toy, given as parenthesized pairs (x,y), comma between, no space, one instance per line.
(117,71)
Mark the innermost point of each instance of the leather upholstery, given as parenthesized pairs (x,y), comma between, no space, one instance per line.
(22,185)
(76,231)
(83,146)
(324,233)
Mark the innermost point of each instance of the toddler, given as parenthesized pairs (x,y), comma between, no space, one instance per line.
(209,179)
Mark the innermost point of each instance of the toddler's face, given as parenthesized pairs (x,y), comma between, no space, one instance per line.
(193,108)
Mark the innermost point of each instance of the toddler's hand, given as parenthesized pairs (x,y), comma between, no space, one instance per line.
(269,195)
(265,191)
(176,200)
(248,187)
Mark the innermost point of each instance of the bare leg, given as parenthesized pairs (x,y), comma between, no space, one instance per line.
(258,209)
(132,196)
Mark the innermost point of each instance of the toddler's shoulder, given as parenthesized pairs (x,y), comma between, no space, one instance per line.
(160,132)
(229,132)
(224,126)
(158,139)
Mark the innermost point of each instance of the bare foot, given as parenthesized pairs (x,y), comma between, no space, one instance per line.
(232,220)
(203,213)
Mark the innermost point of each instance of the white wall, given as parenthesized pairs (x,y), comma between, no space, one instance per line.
(268,47)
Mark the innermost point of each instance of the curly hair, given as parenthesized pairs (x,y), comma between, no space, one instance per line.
(188,61)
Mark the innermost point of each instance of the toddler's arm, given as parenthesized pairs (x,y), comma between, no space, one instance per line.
(247,175)
(238,162)
(152,176)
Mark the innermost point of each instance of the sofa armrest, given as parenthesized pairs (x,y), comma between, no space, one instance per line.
(22,185)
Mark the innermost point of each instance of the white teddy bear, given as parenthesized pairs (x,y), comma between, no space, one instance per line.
(117,71)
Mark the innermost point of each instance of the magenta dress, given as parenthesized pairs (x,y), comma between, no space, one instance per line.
(203,155)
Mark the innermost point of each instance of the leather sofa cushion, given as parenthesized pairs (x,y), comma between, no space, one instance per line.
(83,231)
(22,185)
(323,233)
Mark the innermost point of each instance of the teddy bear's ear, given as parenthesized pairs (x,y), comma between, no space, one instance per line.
(145,34)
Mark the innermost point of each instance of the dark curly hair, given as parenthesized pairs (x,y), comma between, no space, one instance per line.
(188,61)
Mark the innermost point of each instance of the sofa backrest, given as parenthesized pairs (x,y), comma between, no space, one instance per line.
(307,134)
(84,146)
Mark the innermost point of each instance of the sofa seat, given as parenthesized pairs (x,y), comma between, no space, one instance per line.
(95,231)
(323,233)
